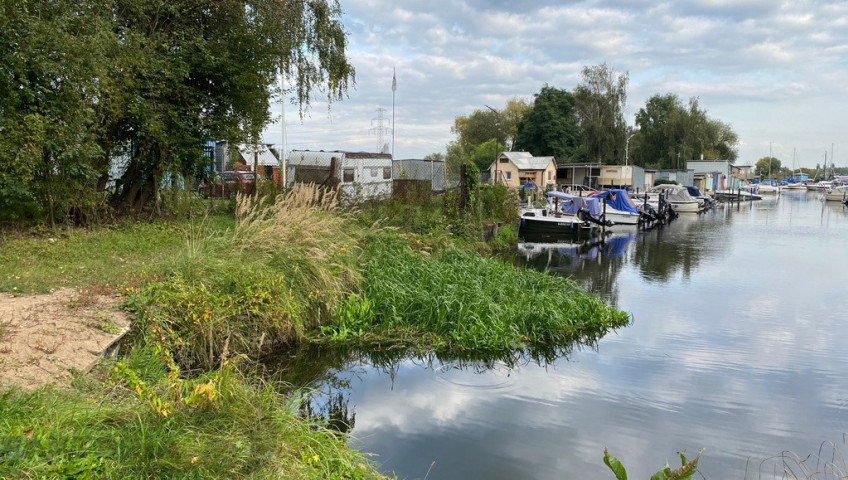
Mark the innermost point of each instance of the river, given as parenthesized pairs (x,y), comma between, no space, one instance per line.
(737,346)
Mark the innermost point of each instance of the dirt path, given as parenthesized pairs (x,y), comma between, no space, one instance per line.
(44,337)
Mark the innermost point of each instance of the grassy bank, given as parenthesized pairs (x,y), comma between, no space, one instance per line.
(212,293)
(218,425)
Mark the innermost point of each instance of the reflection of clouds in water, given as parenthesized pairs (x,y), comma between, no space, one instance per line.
(745,357)
(434,400)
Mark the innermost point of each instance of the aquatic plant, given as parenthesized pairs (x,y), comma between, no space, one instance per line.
(685,472)
(458,300)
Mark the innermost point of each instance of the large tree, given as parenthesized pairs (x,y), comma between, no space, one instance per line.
(193,70)
(767,166)
(483,134)
(599,102)
(52,59)
(550,127)
(671,133)
(83,82)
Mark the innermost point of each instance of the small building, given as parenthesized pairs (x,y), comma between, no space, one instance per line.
(711,175)
(514,169)
(264,159)
(631,177)
(359,176)
(741,174)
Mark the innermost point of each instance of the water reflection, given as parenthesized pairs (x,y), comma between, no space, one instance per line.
(737,345)
(661,254)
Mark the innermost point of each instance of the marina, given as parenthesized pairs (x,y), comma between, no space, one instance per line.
(735,347)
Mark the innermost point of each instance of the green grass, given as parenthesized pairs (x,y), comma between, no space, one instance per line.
(111,255)
(106,430)
(457,300)
(215,290)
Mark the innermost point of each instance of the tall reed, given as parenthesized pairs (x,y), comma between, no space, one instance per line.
(285,265)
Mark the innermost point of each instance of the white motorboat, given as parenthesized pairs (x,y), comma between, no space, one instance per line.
(563,214)
(838,194)
(678,197)
(764,187)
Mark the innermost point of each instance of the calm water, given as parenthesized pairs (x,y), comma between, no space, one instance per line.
(737,345)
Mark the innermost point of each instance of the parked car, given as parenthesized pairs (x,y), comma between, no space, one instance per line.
(227,184)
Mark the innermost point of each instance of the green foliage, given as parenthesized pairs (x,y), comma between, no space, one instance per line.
(551,127)
(685,472)
(121,253)
(483,155)
(223,426)
(599,102)
(459,301)
(283,268)
(767,166)
(671,133)
(84,83)
(483,134)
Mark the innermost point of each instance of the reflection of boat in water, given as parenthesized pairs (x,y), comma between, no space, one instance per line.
(563,214)
(611,244)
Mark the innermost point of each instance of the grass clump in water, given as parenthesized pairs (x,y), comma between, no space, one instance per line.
(457,300)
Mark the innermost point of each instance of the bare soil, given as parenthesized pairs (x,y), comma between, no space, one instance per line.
(44,338)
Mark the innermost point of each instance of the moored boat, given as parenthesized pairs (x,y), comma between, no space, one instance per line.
(837,194)
(620,208)
(678,197)
(563,214)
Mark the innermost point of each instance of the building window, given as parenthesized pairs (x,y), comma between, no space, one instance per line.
(373,172)
(509,175)
(549,176)
(347,175)
(504,160)
(387,172)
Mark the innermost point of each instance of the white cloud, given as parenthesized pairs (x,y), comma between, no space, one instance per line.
(754,65)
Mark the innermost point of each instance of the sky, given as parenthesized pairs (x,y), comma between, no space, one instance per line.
(776,72)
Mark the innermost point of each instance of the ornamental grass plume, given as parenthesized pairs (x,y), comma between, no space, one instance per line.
(305,232)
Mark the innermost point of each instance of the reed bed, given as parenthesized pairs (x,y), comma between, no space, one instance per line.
(456,300)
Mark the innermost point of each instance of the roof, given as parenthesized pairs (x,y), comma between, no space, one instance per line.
(526,161)
(264,155)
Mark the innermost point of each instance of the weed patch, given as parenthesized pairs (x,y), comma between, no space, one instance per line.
(458,300)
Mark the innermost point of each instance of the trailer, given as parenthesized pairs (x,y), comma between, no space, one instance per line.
(358,176)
